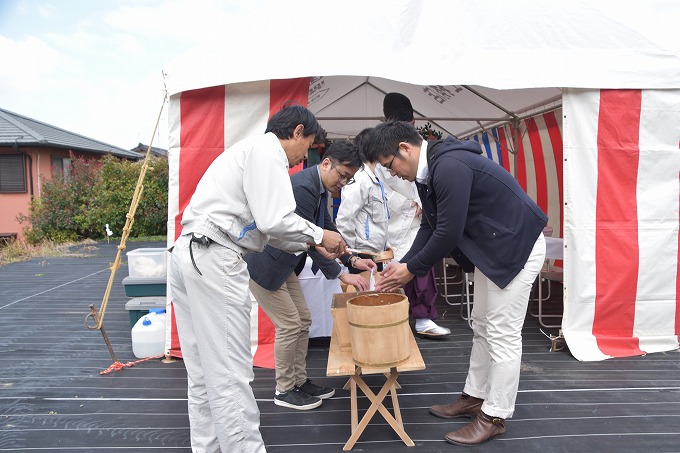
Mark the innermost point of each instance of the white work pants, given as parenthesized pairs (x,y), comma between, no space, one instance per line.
(497,319)
(213,322)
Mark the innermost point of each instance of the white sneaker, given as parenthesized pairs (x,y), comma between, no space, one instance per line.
(426,328)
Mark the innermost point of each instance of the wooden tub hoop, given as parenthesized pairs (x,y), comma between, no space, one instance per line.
(377,326)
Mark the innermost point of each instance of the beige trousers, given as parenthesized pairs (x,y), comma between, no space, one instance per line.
(287,309)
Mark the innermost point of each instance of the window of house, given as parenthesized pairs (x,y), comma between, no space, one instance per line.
(12,173)
(62,165)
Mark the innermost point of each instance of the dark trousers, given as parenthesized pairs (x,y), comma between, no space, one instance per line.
(422,294)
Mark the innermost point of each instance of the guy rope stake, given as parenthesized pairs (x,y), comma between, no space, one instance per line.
(98,315)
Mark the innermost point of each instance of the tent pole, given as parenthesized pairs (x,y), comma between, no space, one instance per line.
(515,145)
(495,104)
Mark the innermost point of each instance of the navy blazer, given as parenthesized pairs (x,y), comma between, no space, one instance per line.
(272,267)
(474,211)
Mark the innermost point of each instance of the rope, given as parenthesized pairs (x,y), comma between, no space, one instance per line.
(129,220)
(118,366)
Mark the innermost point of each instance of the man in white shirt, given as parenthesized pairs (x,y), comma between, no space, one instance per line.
(243,201)
(363,214)
(405,218)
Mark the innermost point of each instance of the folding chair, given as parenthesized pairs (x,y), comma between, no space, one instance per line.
(549,273)
(466,281)
(448,278)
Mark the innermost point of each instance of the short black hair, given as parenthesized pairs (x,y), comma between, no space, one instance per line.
(345,153)
(284,122)
(397,107)
(384,139)
(362,139)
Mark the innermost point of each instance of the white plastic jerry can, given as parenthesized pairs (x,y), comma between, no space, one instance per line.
(148,334)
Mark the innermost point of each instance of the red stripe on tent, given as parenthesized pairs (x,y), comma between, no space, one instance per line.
(201,140)
(281,93)
(520,163)
(175,349)
(287,91)
(505,154)
(284,92)
(616,233)
(557,146)
(539,165)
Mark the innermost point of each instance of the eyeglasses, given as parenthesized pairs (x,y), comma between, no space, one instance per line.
(347,180)
(389,166)
(344,179)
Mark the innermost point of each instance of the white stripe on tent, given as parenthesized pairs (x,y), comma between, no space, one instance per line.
(254,323)
(246,110)
(173,197)
(658,197)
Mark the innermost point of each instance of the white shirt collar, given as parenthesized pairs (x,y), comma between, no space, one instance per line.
(423,171)
(370,173)
(323,189)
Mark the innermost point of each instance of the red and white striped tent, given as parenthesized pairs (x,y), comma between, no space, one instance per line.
(578,104)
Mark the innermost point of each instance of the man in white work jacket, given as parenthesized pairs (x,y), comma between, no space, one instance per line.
(243,201)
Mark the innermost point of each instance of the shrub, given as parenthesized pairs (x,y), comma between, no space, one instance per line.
(114,192)
(95,193)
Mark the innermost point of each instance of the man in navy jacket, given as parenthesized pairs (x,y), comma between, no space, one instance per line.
(476,212)
(274,271)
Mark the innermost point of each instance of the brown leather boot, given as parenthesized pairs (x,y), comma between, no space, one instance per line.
(465,406)
(478,431)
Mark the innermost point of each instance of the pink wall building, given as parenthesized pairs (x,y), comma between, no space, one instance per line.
(31,151)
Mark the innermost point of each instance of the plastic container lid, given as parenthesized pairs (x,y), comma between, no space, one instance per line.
(146,303)
(157,310)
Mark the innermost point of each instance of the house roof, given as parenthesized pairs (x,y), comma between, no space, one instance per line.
(20,130)
(142,148)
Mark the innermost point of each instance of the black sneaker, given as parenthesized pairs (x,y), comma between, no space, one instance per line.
(314,390)
(296,399)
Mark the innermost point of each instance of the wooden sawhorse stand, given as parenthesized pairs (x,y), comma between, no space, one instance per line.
(341,363)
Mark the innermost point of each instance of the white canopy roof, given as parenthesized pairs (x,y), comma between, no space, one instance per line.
(364,49)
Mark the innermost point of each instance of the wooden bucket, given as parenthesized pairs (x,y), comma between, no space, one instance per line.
(379,329)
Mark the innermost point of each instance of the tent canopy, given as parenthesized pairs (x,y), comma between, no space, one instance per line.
(465,65)
(603,166)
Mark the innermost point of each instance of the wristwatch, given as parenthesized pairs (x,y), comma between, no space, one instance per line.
(353,260)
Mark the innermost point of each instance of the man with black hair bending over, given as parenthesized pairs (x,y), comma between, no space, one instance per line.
(230,214)
(274,276)
(476,212)
(405,217)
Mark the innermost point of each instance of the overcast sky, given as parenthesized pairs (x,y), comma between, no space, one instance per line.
(94,67)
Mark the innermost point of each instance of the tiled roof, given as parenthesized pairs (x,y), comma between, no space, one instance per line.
(141,148)
(24,131)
